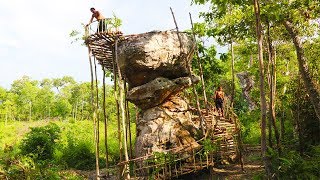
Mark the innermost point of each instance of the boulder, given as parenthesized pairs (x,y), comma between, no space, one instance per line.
(144,57)
(166,126)
(158,90)
(247,83)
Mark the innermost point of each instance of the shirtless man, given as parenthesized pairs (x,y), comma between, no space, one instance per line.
(101,19)
(219,98)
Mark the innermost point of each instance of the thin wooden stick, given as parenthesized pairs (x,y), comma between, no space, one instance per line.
(97,112)
(199,64)
(175,22)
(190,75)
(118,110)
(94,117)
(128,120)
(123,116)
(105,121)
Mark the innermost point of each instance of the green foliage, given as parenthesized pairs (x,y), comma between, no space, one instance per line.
(294,166)
(209,147)
(250,127)
(115,22)
(76,149)
(79,155)
(40,142)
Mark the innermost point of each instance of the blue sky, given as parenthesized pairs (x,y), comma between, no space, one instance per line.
(34,34)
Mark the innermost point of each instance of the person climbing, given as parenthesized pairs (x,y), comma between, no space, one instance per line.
(102,26)
(219,98)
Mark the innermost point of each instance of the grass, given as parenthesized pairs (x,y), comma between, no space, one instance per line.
(75,138)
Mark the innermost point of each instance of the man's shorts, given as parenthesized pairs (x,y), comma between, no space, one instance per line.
(102,26)
(219,103)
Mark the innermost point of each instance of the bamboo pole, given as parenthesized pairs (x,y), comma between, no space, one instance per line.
(105,121)
(94,117)
(128,120)
(190,75)
(122,109)
(117,103)
(97,112)
(199,64)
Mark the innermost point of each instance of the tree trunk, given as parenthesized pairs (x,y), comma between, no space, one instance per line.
(272,111)
(232,69)
(298,121)
(263,103)
(30,110)
(310,85)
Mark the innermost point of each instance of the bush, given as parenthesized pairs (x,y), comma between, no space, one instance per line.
(79,156)
(76,149)
(40,142)
(295,166)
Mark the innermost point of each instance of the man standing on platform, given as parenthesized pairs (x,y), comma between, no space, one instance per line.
(102,26)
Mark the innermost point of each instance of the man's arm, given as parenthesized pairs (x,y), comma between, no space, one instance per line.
(90,20)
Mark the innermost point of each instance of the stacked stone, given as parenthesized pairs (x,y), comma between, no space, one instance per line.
(155,66)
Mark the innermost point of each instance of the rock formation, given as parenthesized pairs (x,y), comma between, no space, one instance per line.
(155,66)
(247,84)
(144,57)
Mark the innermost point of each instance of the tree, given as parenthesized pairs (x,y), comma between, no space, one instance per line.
(263,103)
(25,90)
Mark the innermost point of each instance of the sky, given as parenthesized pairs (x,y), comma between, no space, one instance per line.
(34,34)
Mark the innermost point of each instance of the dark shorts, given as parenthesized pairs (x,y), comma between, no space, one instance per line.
(102,26)
(219,103)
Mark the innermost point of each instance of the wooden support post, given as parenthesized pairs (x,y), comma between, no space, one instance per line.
(105,121)
(128,120)
(126,109)
(190,75)
(239,141)
(122,109)
(200,65)
(194,160)
(117,104)
(94,116)
(97,116)
(175,165)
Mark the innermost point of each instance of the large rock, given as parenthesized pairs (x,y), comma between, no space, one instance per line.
(247,83)
(146,56)
(158,90)
(165,127)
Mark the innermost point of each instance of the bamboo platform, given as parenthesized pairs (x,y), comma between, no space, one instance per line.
(102,46)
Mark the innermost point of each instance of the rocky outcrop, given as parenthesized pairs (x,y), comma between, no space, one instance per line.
(166,126)
(158,90)
(144,57)
(247,84)
(156,68)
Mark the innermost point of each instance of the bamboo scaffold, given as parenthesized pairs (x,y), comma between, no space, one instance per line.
(103,47)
